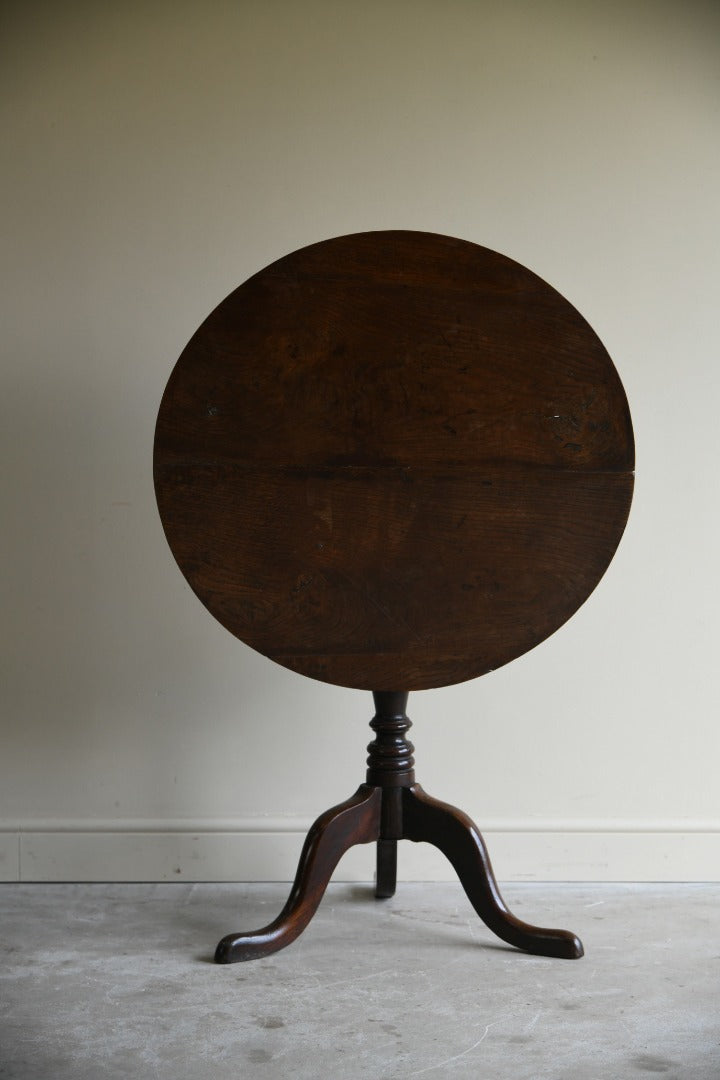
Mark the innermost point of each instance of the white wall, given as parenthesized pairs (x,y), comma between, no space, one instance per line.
(155,154)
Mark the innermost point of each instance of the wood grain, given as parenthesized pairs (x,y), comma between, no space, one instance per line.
(394,460)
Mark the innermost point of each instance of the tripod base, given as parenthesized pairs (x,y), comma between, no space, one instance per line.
(388,808)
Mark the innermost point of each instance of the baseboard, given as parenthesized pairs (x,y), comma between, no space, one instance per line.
(268,851)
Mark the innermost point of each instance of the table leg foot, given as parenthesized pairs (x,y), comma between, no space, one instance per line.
(453,832)
(386,877)
(355,821)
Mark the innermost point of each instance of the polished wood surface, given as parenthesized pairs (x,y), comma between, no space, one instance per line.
(394,459)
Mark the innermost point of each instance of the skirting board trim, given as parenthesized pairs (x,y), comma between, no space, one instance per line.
(262,850)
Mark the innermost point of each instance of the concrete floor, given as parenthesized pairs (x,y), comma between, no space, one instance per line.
(100,981)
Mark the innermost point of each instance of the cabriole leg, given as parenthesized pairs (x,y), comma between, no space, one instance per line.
(356,821)
(452,831)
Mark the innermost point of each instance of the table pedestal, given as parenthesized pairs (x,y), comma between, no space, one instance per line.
(388,807)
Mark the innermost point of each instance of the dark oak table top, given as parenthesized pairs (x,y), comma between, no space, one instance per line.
(394,460)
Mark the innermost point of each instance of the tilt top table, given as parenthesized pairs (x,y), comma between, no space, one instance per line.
(393,461)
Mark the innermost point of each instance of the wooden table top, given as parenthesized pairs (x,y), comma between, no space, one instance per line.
(394,461)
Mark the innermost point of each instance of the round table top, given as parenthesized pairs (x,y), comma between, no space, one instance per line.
(394,461)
